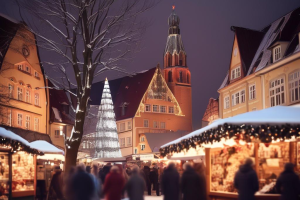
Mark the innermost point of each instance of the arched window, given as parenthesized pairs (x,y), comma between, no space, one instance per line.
(170,76)
(180,77)
(187,78)
(169,60)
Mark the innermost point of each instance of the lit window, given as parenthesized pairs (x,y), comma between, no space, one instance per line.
(129,125)
(252,92)
(10,89)
(36,99)
(226,102)
(155,124)
(36,74)
(162,109)
(56,133)
(20,94)
(142,139)
(122,142)
(20,118)
(27,122)
(171,109)
(235,99)
(27,99)
(180,77)
(27,68)
(294,86)
(122,127)
(277,92)
(146,123)
(20,67)
(143,147)
(162,125)
(155,108)
(9,117)
(277,53)
(128,141)
(242,96)
(148,108)
(36,124)
(236,73)
(135,150)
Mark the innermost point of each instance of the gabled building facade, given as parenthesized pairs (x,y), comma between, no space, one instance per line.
(265,68)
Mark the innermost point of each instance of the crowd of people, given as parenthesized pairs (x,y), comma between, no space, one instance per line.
(115,183)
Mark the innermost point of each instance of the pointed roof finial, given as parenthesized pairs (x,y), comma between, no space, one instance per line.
(173,7)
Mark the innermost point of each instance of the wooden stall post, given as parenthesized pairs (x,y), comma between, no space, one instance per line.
(35,171)
(10,174)
(208,170)
(256,147)
(293,146)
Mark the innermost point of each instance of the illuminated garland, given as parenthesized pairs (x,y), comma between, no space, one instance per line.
(15,146)
(247,133)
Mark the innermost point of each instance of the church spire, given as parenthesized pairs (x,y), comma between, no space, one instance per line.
(173,22)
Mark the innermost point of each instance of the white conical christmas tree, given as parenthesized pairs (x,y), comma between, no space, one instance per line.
(107,142)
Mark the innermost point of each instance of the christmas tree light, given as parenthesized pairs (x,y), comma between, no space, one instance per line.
(106,140)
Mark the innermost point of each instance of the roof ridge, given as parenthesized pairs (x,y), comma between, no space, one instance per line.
(249,29)
(9,18)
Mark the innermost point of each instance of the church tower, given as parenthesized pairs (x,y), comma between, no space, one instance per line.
(176,72)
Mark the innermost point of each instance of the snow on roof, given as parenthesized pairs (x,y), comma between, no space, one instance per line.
(224,83)
(278,115)
(174,44)
(57,114)
(45,147)
(10,135)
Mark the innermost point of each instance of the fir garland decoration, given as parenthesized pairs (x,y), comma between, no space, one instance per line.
(16,146)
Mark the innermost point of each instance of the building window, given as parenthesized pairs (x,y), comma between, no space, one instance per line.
(162,125)
(27,122)
(188,78)
(155,108)
(20,118)
(10,90)
(146,123)
(180,77)
(226,102)
(122,127)
(252,92)
(135,150)
(36,74)
(20,94)
(277,53)
(142,139)
(171,109)
(9,118)
(294,86)
(36,124)
(235,52)
(148,108)
(155,124)
(84,145)
(56,133)
(129,125)
(236,73)
(242,96)
(36,99)
(122,142)
(143,147)
(163,109)
(235,99)
(20,67)
(27,99)
(128,141)
(170,79)
(27,68)
(277,92)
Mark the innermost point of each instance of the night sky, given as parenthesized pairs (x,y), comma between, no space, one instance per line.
(205,29)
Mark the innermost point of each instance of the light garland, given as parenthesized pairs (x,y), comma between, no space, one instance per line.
(16,146)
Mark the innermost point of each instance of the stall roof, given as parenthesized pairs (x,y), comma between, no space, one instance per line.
(278,115)
(10,135)
(119,159)
(45,147)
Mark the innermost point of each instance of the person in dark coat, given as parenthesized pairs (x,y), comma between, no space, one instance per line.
(56,185)
(82,186)
(113,184)
(170,183)
(288,184)
(191,184)
(135,186)
(153,178)
(246,181)
(103,172)
(146,175)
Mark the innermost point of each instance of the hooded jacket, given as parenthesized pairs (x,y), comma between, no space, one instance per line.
(288,183)
(246,182)
(170,184)
(192,186)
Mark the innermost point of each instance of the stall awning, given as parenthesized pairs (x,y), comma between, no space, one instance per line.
(45,147)
(278,115)
(119,159)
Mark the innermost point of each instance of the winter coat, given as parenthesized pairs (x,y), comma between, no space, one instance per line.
(103,172)
(135,187)
(246,182)
(192,185)
(153,175)
(82,186)
(170,184)
(113,186)
(288,184)
(56,186)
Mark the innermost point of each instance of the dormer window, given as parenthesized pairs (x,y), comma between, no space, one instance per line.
(236,73)
(27,68)
(276,53)
(36,74)
(20,67)
(235,51)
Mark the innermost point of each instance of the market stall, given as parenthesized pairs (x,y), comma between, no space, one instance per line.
(270,137)
(17,166)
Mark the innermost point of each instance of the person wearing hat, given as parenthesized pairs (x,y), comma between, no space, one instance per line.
(56,185)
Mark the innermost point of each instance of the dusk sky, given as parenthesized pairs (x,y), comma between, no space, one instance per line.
(205,29)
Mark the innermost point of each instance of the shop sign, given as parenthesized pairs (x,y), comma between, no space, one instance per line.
(147,157)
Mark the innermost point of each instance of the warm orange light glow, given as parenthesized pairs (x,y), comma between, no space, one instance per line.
(173,7)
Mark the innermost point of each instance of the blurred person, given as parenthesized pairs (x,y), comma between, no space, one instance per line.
(191,184)
(56,185)
(97,181)
(146,174)
(288,183)
(113,184)
(88,169)
(200,170)
(246,181)
(135,186)
(68,181)
(170,183)
(105,170)
(81,185)
(153,178)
